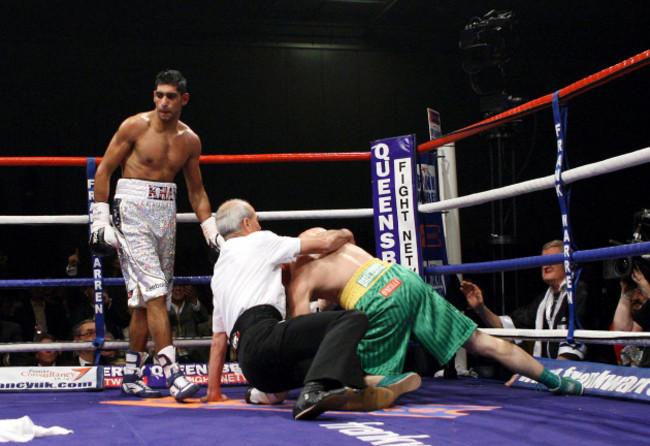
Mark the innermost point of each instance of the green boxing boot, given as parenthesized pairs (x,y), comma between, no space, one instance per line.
(568,386)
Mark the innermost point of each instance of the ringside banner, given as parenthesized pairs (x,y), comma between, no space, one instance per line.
(395,203)
(153,376)
(50,379)
(599,379)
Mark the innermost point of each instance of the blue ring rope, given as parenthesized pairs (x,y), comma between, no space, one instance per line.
(110,281)
(589,255)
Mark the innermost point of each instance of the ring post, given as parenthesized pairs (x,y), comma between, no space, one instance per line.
(395,202)
(432,230)
(98,280)
(560,117)
(432,234)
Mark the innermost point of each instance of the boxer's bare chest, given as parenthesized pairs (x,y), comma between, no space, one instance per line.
(157,156)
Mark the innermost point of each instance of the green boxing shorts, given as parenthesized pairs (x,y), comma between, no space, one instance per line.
(399,303)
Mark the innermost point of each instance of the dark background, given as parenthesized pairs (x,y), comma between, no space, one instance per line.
(315,76)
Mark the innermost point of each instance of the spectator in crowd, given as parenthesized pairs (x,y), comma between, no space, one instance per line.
(11,332)
(185,314)
(46,358)
(4,265)
(632,315)
(85,331)
(112,357)
(9,298)
(72,269)
(80,265)
(80,304)
(41,311)
(547,311)
(10,301)
(116,312)
(41,358)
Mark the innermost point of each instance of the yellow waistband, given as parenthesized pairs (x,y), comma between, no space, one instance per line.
(361,281)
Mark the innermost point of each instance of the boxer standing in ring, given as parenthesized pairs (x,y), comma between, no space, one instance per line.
(151,147)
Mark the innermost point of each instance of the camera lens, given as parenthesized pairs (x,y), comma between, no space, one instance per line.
(623,267)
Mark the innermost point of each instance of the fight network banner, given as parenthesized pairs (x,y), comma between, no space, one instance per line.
(598,379)
(153,376)
(395,204)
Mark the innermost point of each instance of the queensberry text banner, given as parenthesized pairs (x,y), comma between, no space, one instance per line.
(395,203)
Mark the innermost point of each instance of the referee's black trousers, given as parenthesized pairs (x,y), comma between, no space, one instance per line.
(279,355)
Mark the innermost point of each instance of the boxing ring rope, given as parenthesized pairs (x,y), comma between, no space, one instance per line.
(520,334)
(589,255)
(567,177)
(204,159)
(548,182)
(580,336)
(107,345)
(191,218)
(573,90)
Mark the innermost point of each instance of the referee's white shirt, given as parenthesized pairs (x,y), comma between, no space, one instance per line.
(249,273)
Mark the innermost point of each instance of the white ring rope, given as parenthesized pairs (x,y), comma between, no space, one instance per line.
(303,215)
(580,336)
(548,182)
(190,217)
(579,173)
(108,345)
(44,219)
(512,334)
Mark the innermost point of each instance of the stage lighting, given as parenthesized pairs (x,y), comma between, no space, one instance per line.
(487,44)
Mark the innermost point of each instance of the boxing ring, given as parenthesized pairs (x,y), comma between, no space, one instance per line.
(456,412)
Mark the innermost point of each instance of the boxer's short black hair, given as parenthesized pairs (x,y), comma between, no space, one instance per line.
(172,77)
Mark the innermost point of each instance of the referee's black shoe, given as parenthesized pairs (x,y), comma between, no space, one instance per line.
(314,400)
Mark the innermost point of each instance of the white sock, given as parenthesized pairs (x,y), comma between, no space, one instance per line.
(134,361)
(167,359)
(259,397)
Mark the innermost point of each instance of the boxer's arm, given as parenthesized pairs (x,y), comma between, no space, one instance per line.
(215,368)
(194,181)
(117,149)
(325,242)
(199,198)
(298,297)
(318,232)
(103,239)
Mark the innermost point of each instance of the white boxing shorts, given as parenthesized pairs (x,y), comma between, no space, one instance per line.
(144,213)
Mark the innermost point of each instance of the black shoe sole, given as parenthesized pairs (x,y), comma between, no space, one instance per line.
(335,400)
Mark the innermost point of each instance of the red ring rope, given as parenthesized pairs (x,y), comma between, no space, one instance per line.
(566,93)
(207,159)
(573,90)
